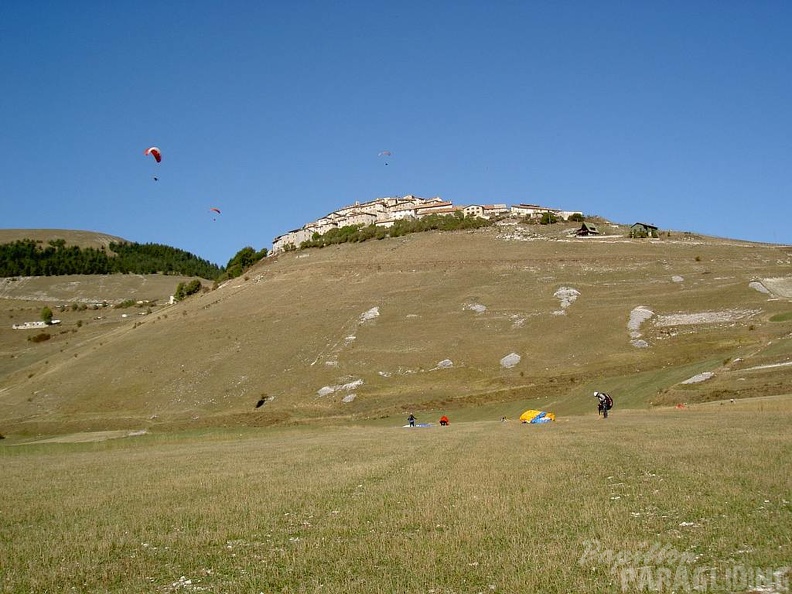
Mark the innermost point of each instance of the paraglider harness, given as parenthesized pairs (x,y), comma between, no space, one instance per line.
(605,403)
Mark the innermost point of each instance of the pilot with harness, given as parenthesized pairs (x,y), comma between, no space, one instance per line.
(605,403)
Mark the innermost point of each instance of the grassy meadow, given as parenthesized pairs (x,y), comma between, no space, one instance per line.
(480,506)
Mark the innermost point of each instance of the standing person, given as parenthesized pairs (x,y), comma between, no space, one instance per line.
(604,403)
(411,420)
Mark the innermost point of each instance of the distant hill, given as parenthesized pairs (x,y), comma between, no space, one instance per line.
(58,253)
(489,321)
(82,239)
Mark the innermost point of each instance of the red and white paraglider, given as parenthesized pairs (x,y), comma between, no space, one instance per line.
(215,210)
(385,154)
(156,153)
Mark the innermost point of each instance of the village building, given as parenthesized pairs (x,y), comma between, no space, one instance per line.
(528,210)
(485,211)
(643,230)
(535,212)
(434,207)
(474,210)
(587,229)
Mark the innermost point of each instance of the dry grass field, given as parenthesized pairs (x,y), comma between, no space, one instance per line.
(662,500)
(419,323)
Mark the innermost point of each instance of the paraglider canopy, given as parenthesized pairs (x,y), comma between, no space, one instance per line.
(213,209)
(537,416)
(154,152)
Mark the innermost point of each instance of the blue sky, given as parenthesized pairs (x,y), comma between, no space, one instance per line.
(673,113)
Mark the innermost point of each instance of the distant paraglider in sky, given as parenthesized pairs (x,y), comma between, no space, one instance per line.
(214,210)
(385,154)
(156,153)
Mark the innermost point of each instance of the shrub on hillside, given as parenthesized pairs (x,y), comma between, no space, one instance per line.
(40,337)
(185,290)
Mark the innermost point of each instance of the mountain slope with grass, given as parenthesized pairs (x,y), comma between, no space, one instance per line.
(479,323)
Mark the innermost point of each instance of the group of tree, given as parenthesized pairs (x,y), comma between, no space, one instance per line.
(359,233)
(26,257)
(242,260)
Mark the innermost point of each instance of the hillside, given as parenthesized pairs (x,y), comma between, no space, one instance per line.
(81,239)
(423,323)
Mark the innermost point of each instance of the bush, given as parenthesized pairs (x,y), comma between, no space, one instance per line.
(185,290)
(46,315)
(40,337)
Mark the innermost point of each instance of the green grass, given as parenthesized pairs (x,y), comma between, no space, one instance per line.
(478,506)
(782,317)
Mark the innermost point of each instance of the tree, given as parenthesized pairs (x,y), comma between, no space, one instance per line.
(548,218)
(46,315)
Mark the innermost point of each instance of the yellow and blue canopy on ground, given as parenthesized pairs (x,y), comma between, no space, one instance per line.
(537,416)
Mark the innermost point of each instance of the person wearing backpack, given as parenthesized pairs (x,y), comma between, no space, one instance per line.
(604,403)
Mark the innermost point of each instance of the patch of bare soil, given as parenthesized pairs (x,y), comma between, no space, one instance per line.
(90,436)
(704,317)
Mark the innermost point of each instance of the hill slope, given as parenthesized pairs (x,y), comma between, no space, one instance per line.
(427,322)
(81,239)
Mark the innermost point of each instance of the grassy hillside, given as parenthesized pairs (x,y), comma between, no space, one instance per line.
(81,239)
(421,323)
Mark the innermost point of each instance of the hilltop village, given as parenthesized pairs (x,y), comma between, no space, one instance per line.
(384,212)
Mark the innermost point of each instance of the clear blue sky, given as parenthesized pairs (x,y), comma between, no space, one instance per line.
(676,113)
